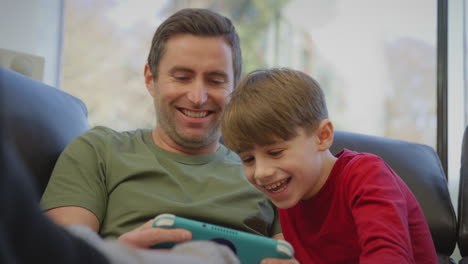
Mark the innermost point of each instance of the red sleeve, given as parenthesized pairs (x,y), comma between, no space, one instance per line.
(379,207)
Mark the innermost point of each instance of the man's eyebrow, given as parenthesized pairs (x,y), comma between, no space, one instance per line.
(180,69)
(218,73)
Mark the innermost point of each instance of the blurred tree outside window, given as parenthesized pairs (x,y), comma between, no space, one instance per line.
(375,60)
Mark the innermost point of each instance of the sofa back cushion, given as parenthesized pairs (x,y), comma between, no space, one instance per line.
(38,122)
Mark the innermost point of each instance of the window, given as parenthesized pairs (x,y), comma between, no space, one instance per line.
(376,60)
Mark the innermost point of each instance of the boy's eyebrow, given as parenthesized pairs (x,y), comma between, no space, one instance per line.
(242,152)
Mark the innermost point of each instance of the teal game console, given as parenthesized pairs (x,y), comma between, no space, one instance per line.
(249,248)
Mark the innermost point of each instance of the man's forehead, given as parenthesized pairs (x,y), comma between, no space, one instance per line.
(181,57)
(185,69)
(190,40)
(188,45)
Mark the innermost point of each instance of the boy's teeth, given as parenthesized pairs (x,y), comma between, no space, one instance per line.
(195,114)
(274,187)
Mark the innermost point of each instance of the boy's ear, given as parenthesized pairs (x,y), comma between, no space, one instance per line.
(325,135)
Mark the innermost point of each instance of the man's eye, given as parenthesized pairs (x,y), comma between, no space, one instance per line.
(248,159)
(217,81)
(275,152)
(182,78)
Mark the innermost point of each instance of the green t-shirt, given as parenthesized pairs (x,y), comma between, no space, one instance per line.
(125,180)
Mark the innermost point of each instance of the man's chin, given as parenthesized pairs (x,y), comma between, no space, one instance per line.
(195,141)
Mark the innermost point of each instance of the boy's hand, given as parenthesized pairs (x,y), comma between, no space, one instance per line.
(146,236)
(279,236)
(279,261)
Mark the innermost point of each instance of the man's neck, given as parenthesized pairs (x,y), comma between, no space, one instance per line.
(165,142)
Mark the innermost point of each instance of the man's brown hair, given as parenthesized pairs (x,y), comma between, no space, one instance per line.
(197,22)
(271,104)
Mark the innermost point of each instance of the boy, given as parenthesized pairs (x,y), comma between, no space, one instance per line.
(348,208)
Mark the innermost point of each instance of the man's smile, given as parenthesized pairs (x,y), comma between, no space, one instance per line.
(194,114)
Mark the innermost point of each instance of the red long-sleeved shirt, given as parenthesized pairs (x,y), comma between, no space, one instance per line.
(363,214)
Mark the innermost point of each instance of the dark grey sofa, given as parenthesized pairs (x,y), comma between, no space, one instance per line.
(39,121)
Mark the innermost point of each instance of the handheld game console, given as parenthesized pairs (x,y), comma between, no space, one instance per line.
(249,248)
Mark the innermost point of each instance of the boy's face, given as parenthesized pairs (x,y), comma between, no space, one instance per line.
(288,171)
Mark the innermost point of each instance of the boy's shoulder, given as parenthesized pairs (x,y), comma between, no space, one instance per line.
(359,167)
(347,156)
(354,163)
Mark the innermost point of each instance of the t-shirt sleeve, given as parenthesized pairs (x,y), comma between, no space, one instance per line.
(276,227)
(78,178)
(379,208)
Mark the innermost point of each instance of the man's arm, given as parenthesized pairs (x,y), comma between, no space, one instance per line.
(143,237)
(73,215)
(76,193)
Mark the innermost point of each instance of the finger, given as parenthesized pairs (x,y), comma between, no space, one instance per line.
(147,225)
(145,238)
(279,236)
(279,261)
(161,235)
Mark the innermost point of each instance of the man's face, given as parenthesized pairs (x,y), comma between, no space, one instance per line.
(194,79)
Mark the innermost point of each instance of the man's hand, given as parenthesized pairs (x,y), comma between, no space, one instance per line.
(146,236)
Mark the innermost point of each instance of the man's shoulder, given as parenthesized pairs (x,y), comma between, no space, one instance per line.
(107,133)
(101,137)
(230,156)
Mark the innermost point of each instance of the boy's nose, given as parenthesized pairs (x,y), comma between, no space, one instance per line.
(198,94)
(263,172)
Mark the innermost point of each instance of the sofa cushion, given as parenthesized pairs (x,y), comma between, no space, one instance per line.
(38,121)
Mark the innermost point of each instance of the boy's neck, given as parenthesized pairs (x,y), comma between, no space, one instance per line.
(328,161)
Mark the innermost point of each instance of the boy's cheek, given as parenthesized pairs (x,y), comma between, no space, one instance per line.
(249,175)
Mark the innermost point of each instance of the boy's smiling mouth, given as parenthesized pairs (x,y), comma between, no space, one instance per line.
(277,186)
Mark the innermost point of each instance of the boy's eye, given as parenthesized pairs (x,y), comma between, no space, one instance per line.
(247,159)
(275,153)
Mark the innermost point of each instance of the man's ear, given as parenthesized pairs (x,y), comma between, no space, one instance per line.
(325,135)
(149,80)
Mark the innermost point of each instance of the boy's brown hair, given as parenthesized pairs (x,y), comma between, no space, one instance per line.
(271,104)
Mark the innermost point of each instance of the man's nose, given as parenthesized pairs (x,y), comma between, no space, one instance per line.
(198,93)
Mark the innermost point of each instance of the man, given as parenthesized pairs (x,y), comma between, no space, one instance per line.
(27,236)
(117,182)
